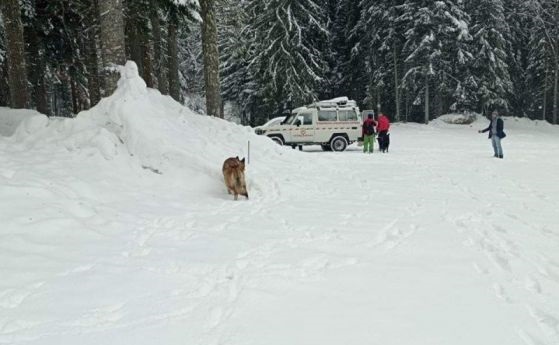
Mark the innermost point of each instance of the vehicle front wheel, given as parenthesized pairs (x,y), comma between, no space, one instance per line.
(338,144)
(277,140)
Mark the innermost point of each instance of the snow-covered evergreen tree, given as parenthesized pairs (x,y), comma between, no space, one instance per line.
(346,74)
(381,33)
(490,69)
(436,49)
(288,62)
(546,16)
(237,48)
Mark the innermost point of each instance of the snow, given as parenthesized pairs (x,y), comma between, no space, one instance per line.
(116,228)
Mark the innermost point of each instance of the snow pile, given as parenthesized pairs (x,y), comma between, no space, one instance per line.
(24,119)
(456,119)
(141,125)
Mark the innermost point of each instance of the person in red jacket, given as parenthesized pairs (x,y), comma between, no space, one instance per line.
(383,125)
(368,134)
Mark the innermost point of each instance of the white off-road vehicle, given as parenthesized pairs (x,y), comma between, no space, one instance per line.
(333,124)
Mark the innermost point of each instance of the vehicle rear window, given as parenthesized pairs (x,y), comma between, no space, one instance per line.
(327,115)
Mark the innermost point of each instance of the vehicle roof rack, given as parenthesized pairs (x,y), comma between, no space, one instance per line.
(340,102)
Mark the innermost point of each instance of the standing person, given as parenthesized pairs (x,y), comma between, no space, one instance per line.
(383,125)
(496,133)
(368,134)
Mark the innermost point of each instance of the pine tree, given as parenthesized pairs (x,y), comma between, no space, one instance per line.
(346,55)
(436,35)
(490,32)
(138,35)
(111,25)
(176,13)
(381,27)
(547,15)
(211,58)
(235,44)
(4,88)
(288,62)
(91,33)
(159,60)
(17,70)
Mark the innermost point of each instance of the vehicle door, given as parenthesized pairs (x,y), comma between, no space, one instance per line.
(303,131)
(350,123)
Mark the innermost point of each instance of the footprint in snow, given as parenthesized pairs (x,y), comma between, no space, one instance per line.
(532,285)
(500,292)
(548,323)
(528,338)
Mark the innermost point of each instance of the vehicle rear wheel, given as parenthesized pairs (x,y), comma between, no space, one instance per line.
(277,140)
(338,144)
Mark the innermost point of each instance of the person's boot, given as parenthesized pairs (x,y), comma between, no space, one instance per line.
(501,156)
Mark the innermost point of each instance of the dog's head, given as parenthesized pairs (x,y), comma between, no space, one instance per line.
(241,165)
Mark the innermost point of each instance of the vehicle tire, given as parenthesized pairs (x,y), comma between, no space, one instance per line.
(326,147)
(277,140)
(338,143)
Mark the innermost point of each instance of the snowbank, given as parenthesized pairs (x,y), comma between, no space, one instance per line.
(457,119)
(12,119)
(141,125)
(478,120)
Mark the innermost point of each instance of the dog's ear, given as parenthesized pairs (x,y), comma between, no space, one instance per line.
(237,157)
(243,160)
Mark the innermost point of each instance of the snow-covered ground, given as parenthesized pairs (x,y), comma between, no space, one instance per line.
(116,228)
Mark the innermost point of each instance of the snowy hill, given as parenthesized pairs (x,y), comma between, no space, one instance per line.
(116,228)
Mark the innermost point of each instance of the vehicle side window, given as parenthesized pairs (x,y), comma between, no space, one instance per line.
(327,115)
(306,119)
(347,115)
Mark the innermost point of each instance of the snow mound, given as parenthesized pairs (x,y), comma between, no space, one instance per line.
(143,126)
(456,119)
(25,120)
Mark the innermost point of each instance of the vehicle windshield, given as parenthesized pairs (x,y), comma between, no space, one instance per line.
(290,118)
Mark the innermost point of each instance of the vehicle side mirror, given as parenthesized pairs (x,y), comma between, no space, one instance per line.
(298,123)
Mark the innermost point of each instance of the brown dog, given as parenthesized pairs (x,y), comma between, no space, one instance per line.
(234,176)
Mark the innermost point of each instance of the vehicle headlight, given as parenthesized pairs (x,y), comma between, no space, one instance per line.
(259,131)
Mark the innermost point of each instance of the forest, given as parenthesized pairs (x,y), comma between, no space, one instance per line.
(255,59)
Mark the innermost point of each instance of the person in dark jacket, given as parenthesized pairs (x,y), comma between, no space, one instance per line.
(368,134)
(496,133)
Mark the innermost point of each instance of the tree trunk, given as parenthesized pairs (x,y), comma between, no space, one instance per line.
(211,57)
(4,87)
(111,25)
(92,61)
(75,96)
(158,54)
(426,99)
(147,60)
(544,105)
(555,91)
(134,29)
(36,62)
(396,86)
(17,71)
(172,51)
